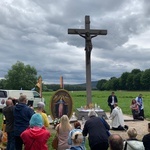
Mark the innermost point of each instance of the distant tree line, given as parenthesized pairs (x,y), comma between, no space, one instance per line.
(24,77)
(131,81)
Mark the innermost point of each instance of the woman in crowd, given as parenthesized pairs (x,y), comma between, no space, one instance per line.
(146,139)
(132,143)
(63,130)
(77,128)
(36,136)
(135,110)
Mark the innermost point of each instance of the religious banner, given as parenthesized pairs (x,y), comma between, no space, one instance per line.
(39,85)
(61,104)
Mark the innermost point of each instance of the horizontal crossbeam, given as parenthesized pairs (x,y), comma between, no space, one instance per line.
(91,31)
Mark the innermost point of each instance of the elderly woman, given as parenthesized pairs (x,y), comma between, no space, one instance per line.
(132,143)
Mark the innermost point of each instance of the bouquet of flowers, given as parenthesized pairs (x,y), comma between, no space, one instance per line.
(56,122)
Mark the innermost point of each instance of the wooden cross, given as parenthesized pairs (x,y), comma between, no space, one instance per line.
(88,34)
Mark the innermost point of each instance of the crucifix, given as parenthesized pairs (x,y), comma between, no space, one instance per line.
(88,34)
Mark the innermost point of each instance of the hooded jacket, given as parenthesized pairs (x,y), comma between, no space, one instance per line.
(133,145)
(22,115)
(35,138)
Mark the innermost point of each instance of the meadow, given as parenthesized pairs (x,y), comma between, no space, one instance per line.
(100,98)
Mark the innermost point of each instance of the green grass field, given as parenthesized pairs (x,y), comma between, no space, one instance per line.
(100,98)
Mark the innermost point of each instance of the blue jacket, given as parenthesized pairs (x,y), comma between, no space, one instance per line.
(76,148)
(70,142)
(22,114)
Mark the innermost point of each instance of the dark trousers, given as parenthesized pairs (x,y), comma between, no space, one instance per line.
(141,113)
(111,108)
(10,141)
(18,143)
(100,146)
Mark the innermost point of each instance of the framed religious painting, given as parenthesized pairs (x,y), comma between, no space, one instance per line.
(61,104)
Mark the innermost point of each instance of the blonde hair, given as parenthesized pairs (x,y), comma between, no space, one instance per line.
(132,133)
(77,138)
(64,123)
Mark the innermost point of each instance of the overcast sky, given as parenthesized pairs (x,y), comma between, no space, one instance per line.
(35,32)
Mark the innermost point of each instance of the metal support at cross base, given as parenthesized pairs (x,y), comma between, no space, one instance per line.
(88,34)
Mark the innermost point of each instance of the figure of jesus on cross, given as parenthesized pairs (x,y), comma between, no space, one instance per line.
(88,34)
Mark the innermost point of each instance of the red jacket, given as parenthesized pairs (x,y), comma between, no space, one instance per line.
(35,138)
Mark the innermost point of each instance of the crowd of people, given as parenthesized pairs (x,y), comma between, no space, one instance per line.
(25,127)
(30,130)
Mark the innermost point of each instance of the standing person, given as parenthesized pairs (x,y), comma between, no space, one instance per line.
(115,142)
(36,135)
(63,130)
(8,113)
(22,115)
(117,119)
(139,100)
(112,99)
(96,131)
(132,143)
(40,110)
(146,139)
(77,128)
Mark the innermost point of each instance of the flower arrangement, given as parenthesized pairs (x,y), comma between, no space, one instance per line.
(56,122)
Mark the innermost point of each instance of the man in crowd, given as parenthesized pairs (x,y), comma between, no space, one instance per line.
(115,142)
(8,113)
(22,116)
(112,99)
(94,127)
(139,101)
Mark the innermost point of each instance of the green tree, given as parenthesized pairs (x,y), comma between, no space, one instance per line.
(129,82)
(100,84)
(2,84)
(137,81)
(123,80)
(135,71)
(21,76)
(145,80)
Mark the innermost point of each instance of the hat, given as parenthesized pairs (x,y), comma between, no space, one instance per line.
(40,105)
(36,120)
(92,113)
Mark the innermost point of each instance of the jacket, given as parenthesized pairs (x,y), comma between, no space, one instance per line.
(76,148)
(70,142)
(35,138)
(133,145)
(96,130)
(110,100)
(22,116)
(8,113)
(146,141)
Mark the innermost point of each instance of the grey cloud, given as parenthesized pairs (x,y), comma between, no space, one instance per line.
(35,32)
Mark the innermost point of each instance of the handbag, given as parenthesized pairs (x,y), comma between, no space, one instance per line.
(55,140)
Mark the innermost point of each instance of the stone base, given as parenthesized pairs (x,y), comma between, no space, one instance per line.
(83,113)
